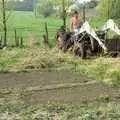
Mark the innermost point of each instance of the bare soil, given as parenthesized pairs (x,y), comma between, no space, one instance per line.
(60,87)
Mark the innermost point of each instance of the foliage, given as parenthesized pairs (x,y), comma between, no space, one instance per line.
(50,6)
(116,9)
(25,5)
(45,8)
(109,8)
(92,4)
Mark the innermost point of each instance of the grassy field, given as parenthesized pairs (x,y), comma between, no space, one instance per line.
(27,26)
(32,28)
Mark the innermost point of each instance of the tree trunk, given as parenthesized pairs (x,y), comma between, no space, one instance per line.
(4,22)
(64,14)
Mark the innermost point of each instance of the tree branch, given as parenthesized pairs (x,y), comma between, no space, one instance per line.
(8,16)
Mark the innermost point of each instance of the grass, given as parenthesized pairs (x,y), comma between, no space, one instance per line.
(25,59)
(28,25)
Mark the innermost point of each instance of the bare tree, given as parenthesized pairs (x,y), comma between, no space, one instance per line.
(64,13)
(4,15)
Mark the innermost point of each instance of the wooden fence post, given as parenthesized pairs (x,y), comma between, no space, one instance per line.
(17,42)
(1,42)
(21,42)
(46,29)
(16,38)
(46,37)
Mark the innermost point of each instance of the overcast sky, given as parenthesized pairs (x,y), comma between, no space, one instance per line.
(82,1)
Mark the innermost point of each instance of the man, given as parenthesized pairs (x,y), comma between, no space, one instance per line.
(75,22)
(63,38)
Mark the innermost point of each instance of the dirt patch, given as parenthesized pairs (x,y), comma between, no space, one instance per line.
(63,87)
(23,80)
(77,94)
(56,96)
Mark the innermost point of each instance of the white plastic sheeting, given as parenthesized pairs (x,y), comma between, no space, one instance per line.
(89,30)
(110,25)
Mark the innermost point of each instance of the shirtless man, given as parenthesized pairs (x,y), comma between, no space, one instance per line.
(75,25)
(75,21)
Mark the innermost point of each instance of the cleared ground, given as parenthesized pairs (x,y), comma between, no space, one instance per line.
(39,87)
(56,96)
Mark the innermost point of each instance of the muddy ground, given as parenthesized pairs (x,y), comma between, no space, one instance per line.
(22,93)
(39,87)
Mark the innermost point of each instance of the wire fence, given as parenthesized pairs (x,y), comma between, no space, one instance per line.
(30,35)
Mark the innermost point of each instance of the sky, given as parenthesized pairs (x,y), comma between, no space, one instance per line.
(82,1)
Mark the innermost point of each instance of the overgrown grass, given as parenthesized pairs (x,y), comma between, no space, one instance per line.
(105,69)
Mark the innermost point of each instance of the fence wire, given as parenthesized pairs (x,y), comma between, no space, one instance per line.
(30,35)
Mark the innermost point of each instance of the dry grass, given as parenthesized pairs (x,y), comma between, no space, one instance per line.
(106,69)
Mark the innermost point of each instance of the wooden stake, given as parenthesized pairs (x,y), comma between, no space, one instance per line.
(21,42)
(46,37)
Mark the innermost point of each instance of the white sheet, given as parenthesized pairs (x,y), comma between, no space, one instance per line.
(110,24)
(87,28)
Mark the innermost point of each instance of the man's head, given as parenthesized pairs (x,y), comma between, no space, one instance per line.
(75,13)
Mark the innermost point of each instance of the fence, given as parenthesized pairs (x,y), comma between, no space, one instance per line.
(28,36)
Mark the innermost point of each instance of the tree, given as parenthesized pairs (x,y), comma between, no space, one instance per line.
(116,9)
(63,5)
(109,9)
(24,5)
(92,4)
(45,8)
(4,18)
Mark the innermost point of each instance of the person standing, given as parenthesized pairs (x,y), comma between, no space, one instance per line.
(76,22)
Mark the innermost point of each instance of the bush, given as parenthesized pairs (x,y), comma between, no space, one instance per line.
(113,75)
(44,8)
